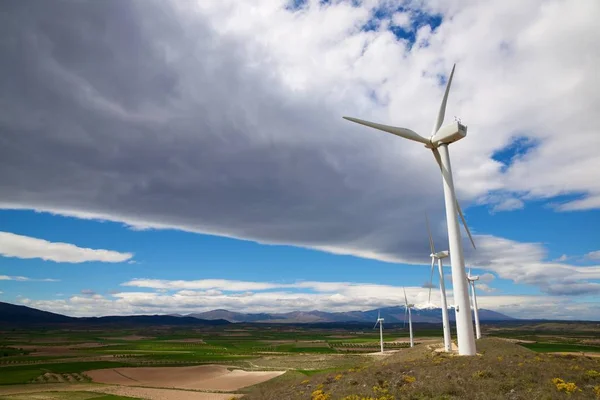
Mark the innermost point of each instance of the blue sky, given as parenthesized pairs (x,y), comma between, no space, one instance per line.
(181,158)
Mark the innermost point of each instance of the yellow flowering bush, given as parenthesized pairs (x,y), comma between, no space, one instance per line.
(319,395)
(567,387)
(592,374)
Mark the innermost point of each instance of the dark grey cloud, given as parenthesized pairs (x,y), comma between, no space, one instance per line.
(138,111)
(570,288)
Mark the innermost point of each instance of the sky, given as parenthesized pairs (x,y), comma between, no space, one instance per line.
(175,157)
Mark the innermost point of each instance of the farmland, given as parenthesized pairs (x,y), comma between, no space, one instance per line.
(244,358)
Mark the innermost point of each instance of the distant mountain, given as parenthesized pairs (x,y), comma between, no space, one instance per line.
(12,315)
(390,314)
(232,316)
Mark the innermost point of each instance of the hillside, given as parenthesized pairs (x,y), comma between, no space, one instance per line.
(502,371)
(16,315)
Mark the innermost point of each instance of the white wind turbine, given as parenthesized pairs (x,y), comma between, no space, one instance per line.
(438,257)
(380,322)
(438,142)
(407,310)
(471,279)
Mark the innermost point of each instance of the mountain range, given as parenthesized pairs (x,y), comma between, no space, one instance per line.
(390,314)
(22,315)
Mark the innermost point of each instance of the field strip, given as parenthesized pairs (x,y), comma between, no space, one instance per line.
(125,376)
(133,391)
(161,394)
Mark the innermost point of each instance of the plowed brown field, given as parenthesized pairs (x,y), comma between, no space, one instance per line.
(203,377)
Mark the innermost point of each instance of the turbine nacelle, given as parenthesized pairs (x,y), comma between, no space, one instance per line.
(440,254)
(447,134)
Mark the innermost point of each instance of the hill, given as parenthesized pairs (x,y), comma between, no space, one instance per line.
(16,315)
(390,314)
(501,371)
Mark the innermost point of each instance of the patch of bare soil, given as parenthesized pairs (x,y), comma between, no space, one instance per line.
(576,353)
(142,393)
(164,394)
(202,377)
(60,350)
(312,344)
(517,341)
(190,340)
(130,337)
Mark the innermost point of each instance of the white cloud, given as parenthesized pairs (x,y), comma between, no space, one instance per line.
(509,205)
(402,20)
(26,279)
(12,245)
(525,263)
(593,255)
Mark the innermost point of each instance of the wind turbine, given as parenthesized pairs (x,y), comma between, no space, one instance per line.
(438,142)
(407,310)
(380,322)
(438,257)
(471,279)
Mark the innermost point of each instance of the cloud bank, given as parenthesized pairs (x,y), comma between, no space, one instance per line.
(19,246)
(248,296)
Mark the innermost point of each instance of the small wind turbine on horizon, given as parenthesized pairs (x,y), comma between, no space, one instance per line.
(407,311)
(438,257)
(471,279)
(380,322)
(438,142)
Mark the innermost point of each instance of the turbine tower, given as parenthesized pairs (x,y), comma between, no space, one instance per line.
(438,257)
(471,279)
(438,142)
(407,310)
(380,322)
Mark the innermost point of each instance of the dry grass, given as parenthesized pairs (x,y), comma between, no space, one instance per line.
(503,371)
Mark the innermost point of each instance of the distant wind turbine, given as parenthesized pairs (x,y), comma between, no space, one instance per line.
(407,310)
(438,142)
(471,279)
(438,257)
(380,322)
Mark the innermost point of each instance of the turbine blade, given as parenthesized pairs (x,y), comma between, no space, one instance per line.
(431,279)
(438,159)
(402,132)
(431,245)
(462,217)
(442,112)
(405,311)
(405,298)
(375,326)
